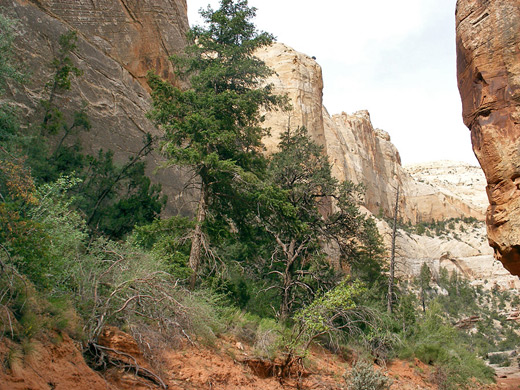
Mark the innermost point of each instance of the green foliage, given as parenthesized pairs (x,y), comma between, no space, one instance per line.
(436,342)
(303,208)
(423,282)
(270,225)
(46,236)
(9,71)
(329,312)
(405,314)
(500,359)
(63,69)
(437,228)
(336,319)
(215,126)
(363,376)
(462,297)
(168,242)
(64,227)
(114,197)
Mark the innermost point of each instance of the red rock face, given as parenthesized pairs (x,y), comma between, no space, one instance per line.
(119,41)
(138,34)
(488,68)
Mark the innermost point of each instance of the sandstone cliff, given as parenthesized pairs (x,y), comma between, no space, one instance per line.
(488,67)
(118,42)
(457,179)
(300,77)
(357,151)
(462,247)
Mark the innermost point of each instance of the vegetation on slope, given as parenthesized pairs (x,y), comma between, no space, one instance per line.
(278,253)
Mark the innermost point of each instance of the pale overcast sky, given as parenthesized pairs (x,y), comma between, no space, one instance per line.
(395,59)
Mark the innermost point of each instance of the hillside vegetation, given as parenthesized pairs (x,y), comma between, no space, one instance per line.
(276,255)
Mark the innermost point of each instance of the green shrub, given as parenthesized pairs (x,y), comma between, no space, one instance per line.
(363,376)
(500,359)
(168,242)
(203,315)
(439,343)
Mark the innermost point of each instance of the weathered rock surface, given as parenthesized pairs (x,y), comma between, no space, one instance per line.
(366,155)
(138,34)
(300,77)
(118,41)
(463,249)
(357,151)
(488,67)
(457,179)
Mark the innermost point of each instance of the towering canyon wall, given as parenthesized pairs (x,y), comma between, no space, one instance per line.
(118,42)
(488,68)
(357,151)
(300,77)
(362,154)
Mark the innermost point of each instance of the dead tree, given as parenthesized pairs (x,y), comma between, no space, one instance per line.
(392,255)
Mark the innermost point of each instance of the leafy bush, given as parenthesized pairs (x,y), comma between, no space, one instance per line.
(266,335)
(500,359)
(363,376)
(168,241)
(438,343)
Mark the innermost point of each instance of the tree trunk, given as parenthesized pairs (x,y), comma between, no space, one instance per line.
(392,256)
(284,309)
(287,281)
(196,240)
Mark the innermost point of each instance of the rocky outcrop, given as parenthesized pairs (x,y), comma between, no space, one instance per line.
(55,362)
(488,68)
(462,248)
(118,42)
(138,35)
(299,77)
(357,151)
(458,179)
(362,154)
(366,155)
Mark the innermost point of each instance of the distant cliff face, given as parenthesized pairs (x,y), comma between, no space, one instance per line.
(356,150)
(118,42)
(488,67)
(298,76)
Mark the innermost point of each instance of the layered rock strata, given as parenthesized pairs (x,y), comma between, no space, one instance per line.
(357,151)
(118,42)
(488,68)
(299,77)
(363,154)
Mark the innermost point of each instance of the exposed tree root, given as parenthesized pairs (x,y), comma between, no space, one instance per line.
(104,356)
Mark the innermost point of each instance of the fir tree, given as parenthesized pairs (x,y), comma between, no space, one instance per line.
(214,126)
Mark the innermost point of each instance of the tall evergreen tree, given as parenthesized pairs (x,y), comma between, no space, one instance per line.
(214,126)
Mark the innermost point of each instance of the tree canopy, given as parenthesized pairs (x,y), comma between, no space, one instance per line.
(214,126)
